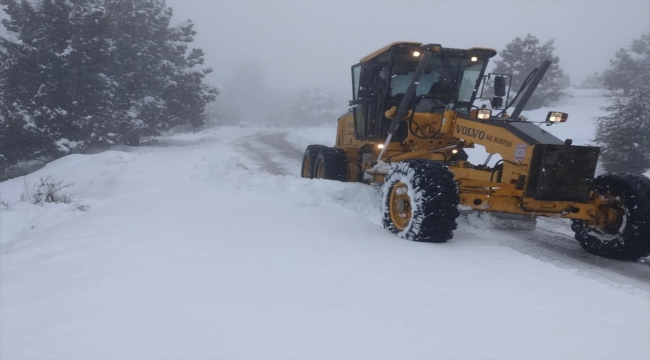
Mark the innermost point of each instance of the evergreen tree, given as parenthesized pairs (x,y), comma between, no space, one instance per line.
(627,64)
(520,57)
(159,80)
(76,74)
(51,79)
(624,133)
(85,88)
(186,94)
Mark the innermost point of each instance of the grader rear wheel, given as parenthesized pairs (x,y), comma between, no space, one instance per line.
(309,159)
(331,164)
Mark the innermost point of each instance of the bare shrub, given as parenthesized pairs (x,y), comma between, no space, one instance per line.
(48,190)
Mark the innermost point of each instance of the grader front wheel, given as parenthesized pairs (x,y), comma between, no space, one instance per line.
(622,229)
(420,201)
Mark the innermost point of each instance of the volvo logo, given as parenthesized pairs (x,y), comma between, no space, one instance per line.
(475,133)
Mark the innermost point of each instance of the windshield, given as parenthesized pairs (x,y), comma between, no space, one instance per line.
(403,70)
(445,77)
(468,82)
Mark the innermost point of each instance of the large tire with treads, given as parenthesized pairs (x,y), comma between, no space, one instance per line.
(420,201)
(331,164)
(626,232)
(309,159)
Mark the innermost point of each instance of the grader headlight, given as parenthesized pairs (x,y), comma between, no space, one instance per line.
(484,114)
(556,117)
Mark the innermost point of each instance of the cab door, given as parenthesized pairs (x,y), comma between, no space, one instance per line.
(360,100)
(368,89)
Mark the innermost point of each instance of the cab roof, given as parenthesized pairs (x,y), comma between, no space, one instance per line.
(374,54)
(386,48)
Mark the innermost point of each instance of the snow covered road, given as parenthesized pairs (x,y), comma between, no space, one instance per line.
(272,153)
(209,245)
(552,241)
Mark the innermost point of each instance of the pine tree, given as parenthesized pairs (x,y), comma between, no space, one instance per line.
(160,81)
(627,64)
(51,76)
(624,133)
(85,88)
(140,30)
(186,95)
(19,137)
(520,57)
(79,74)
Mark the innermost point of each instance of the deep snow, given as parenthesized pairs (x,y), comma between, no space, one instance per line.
(191,248)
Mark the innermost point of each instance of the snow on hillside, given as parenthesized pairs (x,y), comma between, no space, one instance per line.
(190,248)
(583,107)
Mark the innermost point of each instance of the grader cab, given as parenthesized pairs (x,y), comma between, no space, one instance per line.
(413,115)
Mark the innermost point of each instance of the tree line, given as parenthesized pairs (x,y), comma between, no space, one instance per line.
(82,74)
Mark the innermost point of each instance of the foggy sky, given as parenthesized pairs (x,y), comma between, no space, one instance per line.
(314,43)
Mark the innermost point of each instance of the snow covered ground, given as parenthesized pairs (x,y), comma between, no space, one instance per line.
(209,245)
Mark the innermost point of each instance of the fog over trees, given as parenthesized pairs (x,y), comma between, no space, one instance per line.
(627,64)
(624,133)
(94,73)
(520,57)
(305,44)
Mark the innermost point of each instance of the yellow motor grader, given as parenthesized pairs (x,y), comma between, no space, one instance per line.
(412,116)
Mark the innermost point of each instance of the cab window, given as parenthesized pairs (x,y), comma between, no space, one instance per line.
(356,73)
(359,112)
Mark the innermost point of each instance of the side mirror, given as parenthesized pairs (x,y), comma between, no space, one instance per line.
(496,102)
(499,86)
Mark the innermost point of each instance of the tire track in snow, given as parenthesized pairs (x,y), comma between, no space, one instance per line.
(552,242)
(268,149)
(278,142)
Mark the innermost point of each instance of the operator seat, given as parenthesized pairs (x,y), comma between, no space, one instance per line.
(444,92)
